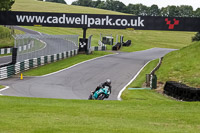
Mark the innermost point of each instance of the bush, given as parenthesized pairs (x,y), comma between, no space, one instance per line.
(196,37)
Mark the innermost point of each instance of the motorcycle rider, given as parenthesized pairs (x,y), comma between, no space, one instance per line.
(102,85)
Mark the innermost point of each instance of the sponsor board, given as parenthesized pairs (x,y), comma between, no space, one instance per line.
(99,21)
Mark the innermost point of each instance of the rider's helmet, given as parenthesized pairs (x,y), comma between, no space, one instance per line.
(108,82)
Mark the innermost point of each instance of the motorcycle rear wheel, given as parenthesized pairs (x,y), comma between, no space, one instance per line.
(90,97)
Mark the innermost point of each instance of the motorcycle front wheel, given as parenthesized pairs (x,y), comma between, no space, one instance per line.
(101,96)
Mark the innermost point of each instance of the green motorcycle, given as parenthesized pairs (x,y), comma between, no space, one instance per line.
(100,94)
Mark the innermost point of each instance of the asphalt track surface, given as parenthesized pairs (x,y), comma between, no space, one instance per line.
(77,82)
(53,46)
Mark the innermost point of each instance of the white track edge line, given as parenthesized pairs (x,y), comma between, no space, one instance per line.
(6,87)
(74,65)
(120,93)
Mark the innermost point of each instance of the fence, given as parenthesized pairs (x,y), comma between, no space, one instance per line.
(5,51)
(37,50)
(34,46)
(8,71)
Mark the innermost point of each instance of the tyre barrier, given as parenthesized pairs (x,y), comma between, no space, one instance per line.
(127,43)
(116,46)
(181,91)
(9,71)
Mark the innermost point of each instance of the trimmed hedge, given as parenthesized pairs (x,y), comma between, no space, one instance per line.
(181,91)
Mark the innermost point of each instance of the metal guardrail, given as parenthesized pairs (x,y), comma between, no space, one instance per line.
(9,71)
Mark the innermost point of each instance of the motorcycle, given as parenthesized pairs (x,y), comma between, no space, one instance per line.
(100,94)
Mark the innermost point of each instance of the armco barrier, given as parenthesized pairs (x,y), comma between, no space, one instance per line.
(5,51)
(98,48)
(8,71)
(181,91)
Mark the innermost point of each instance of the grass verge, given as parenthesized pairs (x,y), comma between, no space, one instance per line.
(40,6)
(182,66)
(150,114)
(139,81)
(141,40)
(1,86)
(5,39)
(59,65)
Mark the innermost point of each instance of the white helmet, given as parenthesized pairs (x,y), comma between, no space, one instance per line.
(108,81)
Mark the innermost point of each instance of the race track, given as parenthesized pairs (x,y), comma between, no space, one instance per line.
(78,81)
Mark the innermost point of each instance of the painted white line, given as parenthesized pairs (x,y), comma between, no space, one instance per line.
(3,90)
(75,65)
(5,56)
(120,93)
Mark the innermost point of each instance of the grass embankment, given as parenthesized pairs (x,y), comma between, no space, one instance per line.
(5,39)
(139,81)
(140,39)
(152,113)
(62,64)
(182,65)
(40,6)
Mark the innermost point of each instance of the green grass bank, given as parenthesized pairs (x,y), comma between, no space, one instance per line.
(141,40)
(182,66)
(6,39)
(149,112)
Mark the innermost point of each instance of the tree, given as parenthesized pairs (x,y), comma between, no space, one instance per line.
(154,11)
(170,11)
(96,3)
(57,1)
(196,37)
(83,3)
(137,9)
(115,5)
(197,12)
(186,11)
(5,5)
(102,5)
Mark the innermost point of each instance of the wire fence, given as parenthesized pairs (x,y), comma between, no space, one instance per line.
(34,46)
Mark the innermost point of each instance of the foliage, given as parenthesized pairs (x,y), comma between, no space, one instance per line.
(140,80)
(196,37)
(140,9)
(6,39)
(5,5)
(197,12)
(57,1)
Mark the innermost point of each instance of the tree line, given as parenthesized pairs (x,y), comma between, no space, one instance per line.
(56,1)
(140,9)
(5,5)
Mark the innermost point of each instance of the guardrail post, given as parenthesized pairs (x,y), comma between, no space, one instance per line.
(14,56)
